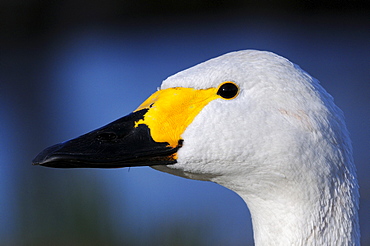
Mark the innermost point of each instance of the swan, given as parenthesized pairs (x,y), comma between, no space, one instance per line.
(253,122)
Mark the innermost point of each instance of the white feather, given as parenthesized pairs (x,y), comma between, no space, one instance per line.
(281,144)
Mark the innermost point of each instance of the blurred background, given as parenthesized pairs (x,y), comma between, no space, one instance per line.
(68,67)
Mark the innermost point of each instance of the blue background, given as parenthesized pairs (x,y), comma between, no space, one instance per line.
(68,68)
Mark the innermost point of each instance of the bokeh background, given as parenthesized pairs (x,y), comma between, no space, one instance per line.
(68,67)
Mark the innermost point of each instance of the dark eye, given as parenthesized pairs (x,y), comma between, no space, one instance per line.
(228,90)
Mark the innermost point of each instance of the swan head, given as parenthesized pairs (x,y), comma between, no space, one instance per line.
(251,121)
(275,127)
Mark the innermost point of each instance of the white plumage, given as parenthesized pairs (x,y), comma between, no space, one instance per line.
(281,144)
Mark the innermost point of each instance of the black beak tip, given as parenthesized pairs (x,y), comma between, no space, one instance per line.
(45,157)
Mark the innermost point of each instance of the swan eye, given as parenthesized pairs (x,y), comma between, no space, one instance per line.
(228,90)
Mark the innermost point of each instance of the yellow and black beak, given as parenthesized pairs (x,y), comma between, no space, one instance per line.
(151,135)
(118,144)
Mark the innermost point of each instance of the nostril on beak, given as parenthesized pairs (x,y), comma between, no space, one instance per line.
(106,136)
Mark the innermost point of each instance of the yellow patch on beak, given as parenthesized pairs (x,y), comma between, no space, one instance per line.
(171,110)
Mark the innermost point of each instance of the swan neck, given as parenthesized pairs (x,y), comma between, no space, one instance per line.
(284,221)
